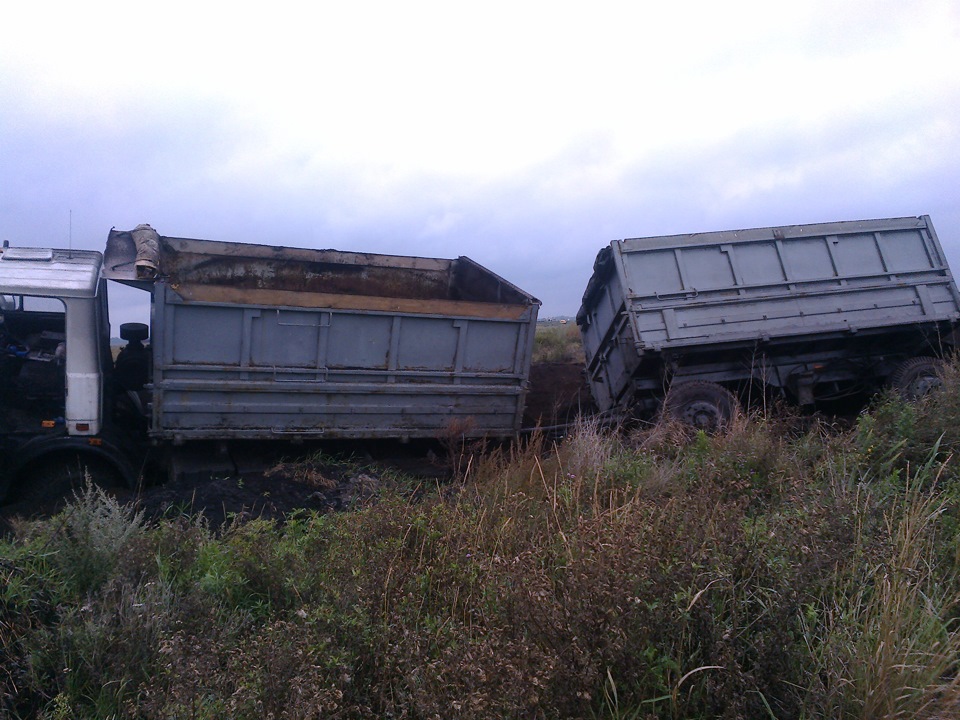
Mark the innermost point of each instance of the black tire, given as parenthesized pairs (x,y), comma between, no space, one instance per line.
(701,404)
(917,377)
(55,479)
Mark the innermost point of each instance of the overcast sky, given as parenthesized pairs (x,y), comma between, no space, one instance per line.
(525,135)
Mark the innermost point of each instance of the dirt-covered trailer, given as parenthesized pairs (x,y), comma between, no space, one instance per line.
(262,341)
(690,322)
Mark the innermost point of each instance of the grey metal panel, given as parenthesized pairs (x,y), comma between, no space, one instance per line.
(831,282)
(227,370)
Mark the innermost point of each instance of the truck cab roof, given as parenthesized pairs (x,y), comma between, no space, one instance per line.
(49,273)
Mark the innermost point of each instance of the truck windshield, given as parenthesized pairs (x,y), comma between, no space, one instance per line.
(32,359)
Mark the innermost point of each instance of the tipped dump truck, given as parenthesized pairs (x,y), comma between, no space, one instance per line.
(693,324)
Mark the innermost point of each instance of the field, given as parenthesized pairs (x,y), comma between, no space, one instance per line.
(558,342)
(785,568)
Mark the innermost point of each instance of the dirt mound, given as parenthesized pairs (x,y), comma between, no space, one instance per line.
(558,394)
(272,495)
(271,483)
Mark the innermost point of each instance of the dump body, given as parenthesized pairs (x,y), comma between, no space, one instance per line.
(252,341)
(766,304)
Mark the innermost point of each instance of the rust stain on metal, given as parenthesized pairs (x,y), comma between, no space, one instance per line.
(331,272)
(291,298)
(299,277)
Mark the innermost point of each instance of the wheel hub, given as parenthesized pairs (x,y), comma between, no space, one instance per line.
(924,384)
(702,415)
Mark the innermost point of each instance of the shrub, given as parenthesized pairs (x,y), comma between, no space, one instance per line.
(89,536)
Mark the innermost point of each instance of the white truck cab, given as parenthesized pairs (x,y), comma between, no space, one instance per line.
(54,331)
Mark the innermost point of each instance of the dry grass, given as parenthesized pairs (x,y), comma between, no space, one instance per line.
(772,570)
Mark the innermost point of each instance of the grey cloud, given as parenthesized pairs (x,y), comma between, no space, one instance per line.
(201,171)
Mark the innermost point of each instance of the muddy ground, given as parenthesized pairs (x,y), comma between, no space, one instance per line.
(558,395)
(271,481)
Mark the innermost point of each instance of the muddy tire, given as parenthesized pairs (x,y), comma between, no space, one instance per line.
(700,404)
(54,480)
(917,377)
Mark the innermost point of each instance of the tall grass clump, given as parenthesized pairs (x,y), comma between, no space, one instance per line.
(895,434)
(779,569)
(52,574)
(90,536)
(884,638)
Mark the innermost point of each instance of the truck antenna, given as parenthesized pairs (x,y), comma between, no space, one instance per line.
(70,233)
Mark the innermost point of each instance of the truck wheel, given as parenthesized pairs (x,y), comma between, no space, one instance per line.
(917,377)
(54,480)
(701,404)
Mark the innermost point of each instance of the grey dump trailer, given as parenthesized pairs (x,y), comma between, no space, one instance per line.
(252,342)
(692,324)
